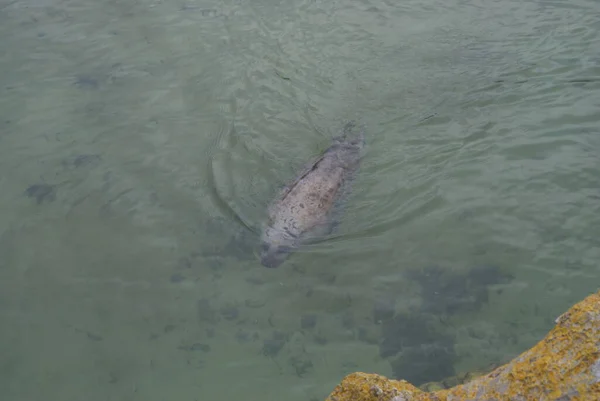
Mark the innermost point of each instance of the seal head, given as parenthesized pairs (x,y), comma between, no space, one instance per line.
(275,247)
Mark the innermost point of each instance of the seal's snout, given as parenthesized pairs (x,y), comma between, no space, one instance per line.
(270,261)
(273,256)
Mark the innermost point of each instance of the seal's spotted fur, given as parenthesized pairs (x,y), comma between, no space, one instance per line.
(304,207)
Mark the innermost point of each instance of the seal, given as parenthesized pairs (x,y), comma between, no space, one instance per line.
(302,211)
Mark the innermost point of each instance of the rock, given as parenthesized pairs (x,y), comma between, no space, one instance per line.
(564,366)
(308,321)
(41,192)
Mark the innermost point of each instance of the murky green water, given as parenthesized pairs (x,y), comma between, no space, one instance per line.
(141,141)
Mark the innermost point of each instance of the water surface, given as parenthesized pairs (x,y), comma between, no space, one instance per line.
(140,143)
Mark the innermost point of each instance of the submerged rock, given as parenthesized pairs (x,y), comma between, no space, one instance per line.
(41,192)
(448,292)
(418,342)
(565,365)
(419,350)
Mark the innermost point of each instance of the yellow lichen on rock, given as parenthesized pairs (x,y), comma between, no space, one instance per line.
(371,387)
(565,365)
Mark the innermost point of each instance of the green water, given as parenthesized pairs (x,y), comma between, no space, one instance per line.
(140,142)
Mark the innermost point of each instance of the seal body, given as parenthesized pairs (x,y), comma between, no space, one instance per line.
(303,209)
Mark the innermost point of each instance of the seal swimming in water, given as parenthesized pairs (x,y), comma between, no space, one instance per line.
(303,208)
